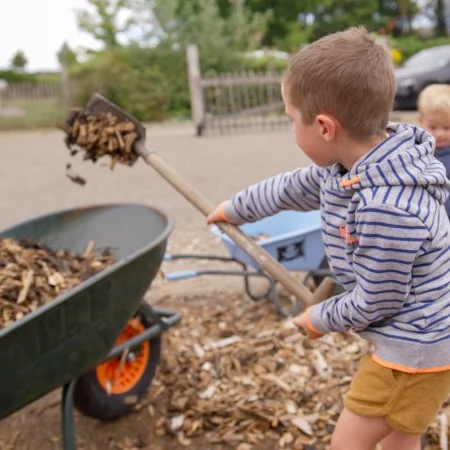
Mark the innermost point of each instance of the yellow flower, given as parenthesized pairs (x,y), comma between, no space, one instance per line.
(397,55)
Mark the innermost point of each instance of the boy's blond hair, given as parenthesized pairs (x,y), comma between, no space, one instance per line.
(434,98)
(347,75)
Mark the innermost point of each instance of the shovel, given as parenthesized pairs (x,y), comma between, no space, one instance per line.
(98,104)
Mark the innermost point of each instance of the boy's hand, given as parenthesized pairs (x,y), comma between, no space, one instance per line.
(300,321)
(217,216)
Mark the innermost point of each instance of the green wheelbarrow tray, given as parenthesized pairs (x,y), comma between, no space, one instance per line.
(65,339)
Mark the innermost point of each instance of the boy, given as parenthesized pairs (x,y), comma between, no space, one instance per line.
(385,230)
(434,116)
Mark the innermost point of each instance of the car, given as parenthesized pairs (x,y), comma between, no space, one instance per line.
(428,66)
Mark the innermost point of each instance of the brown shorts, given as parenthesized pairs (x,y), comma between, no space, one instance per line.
(408,402)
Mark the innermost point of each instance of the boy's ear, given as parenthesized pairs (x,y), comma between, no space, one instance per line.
(327,127)
(420,119)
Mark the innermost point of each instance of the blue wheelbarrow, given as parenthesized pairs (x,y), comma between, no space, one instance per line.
(293,238)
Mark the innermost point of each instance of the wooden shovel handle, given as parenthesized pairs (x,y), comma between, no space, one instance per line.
(264,259)
(324,290)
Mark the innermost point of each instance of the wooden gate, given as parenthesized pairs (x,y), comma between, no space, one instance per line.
(229,103)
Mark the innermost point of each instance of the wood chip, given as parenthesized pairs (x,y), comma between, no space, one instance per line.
(223,342)
(302,424)
(320,364)
(443,435)
(176,422)
(32,275)
(28,279)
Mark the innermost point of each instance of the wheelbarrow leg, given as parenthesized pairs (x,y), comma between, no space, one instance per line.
(68,423)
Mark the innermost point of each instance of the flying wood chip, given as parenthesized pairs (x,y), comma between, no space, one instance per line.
(101,135)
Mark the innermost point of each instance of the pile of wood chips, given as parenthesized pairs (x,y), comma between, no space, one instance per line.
(32,275)
(101,135)
(234,372)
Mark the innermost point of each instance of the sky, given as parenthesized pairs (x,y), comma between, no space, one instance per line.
(38,28)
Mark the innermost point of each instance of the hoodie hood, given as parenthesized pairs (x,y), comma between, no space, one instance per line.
(404,158)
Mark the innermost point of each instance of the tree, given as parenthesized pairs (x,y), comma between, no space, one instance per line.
(397,15)
(19,61)
(441,26)
(103,24)
(336,15)
(287,18)
(66,56)
(294,22)
(177,23)
(435,11)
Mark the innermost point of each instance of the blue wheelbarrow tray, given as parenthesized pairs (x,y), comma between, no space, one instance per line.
(293,238)
(69,336)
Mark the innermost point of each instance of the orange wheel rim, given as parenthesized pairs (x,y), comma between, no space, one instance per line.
(117,378)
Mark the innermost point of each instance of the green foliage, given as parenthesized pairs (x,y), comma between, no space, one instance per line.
(264,64)
(11,76)
(332,16)
(66,56)
(410,45)
(149,83)
(180,23)
(157,88)
(19,61)
(103,22)
(47,77)
(297,34)
(280,19)
(294,22)
(441,28)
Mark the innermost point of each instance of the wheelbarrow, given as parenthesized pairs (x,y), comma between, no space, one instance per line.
(293,238)
(80,339)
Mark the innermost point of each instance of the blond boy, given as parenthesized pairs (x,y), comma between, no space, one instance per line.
(381,194)
(434,116)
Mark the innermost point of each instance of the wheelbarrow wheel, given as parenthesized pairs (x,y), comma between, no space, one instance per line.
(114,387)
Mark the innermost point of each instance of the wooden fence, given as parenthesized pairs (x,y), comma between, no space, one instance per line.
(30,105)
(234,102)
(30,91)
(41,104)
(227,103)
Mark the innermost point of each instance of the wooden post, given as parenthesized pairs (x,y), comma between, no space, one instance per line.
(195,88)
(65,88)
(3,87)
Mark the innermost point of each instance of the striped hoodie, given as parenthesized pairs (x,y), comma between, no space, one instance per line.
(386,236)
(442,154)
